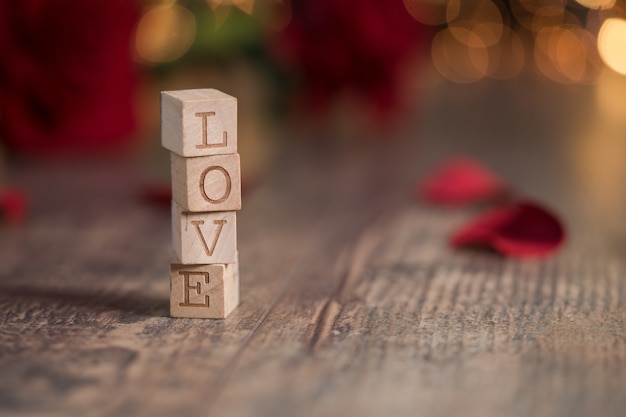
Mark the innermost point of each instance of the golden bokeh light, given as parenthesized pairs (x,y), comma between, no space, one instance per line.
(534,15)
(597,4)
(570,54)
(164,33)
(612,44)
(430,12)
(276,15)
(481,17)
(246,5)
(561,54)
(476,39)
(457,61)
(544,62)
(509,54)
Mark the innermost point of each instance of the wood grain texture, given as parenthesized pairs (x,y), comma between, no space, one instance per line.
(204,291)
(199,122)
(204,238)
(352,303)
(207,183)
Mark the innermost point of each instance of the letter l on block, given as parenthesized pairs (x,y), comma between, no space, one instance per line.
(199,122)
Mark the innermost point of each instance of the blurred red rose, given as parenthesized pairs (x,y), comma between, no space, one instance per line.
(356,46)
(66,77)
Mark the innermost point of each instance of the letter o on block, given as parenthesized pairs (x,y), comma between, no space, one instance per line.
(227,186)
(207,183)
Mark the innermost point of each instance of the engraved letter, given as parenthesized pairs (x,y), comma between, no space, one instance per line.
(228,184)
(197,287)
(205,144)
(220,224)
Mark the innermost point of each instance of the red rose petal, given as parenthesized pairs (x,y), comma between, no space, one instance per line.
(13,206)
(523,229)
(461,181)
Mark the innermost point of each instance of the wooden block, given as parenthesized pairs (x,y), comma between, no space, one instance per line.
(199,122)
(207,183)
(204,291)
(204,238)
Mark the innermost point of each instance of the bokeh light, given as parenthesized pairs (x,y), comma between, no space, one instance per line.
(456,60)
(561,54)
(597,4)
(480,17)
(246,6)
(430,12)
(164,33)
(510,55)
(612,44)
(276,14)
(565,41)
(536,14)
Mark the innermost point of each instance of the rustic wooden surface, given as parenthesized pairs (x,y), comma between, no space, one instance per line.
(351,301)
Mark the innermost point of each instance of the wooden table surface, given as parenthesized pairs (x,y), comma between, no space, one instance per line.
(352,302)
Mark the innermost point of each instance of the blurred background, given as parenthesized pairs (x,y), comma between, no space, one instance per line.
(83,78)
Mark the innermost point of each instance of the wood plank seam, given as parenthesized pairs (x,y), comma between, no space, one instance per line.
(351,265)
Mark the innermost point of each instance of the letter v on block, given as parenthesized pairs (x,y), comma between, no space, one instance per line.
(204,238)
(220,225)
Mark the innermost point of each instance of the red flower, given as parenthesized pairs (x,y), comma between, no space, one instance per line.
(357,46)
(66,78)
(524,229)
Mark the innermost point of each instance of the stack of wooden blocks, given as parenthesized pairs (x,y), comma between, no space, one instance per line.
(199,127)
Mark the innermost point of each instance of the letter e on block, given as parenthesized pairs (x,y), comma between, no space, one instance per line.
(199,122)
(207,183)
(204,291)
(204,238)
